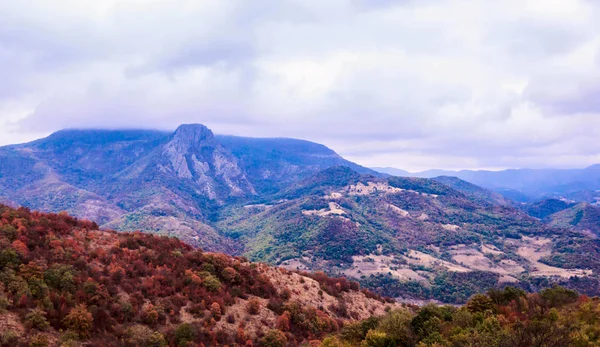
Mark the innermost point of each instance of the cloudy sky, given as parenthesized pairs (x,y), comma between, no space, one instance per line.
(413,84)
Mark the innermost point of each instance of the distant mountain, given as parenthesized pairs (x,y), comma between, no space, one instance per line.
(528,185)
(392,171)
(473,190)
(170,183)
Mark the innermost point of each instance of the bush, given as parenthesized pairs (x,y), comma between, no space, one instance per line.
(558,296)
(211,283)
(377,339)
(9,338)
(253,306)
(274,338)
(184,333)
(36,319)
(39,340)
(396,324)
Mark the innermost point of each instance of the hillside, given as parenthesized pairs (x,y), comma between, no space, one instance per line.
(65,282)
(583,217)
(499,318)
(410,237)
(154,181)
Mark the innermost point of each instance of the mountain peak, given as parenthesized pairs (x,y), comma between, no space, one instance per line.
(193,133)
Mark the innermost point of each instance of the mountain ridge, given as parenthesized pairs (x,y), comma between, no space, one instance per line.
(526,185)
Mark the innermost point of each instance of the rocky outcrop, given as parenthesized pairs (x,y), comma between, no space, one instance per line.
(194,154)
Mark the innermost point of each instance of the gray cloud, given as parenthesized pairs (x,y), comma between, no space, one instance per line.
(412,84)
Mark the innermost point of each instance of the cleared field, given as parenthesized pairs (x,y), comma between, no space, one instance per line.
(381,264)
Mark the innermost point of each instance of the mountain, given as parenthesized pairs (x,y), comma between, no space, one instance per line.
(156,181)
(410,237)
(528,185)
(65,282)
(473,190)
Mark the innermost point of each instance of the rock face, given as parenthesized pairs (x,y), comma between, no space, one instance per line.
(194,154)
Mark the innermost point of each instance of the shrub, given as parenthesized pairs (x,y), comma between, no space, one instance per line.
(184,333)
(211,283)
(396,324)
(215,310)
(39,340)
(376,338)
(9,338)
(274,338)
(253,306)
(36,319)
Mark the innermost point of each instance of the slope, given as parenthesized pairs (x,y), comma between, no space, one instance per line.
(405,230)
(65,282)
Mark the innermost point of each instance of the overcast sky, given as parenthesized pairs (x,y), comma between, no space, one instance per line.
(413,84)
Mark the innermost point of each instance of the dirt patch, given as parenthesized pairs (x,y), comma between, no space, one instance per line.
(424,259)
(533,249)
(475,260)
(491,249)
(334,208)
(381,264)
(450,227)
(398,210)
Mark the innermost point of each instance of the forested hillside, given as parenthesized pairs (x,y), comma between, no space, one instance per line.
(501,318)
(65,282)
(412,237)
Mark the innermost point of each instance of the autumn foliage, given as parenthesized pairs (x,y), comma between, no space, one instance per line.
(65,279)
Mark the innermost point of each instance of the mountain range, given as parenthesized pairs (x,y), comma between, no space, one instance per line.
(525,185)
(299,205)
(170,183)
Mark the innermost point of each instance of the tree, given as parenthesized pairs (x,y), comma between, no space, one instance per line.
(396,324)
(480,303)
(558,296)
(376,338)
(274,338)
(80,320)
(283,321)
(36,319)
(184,333)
